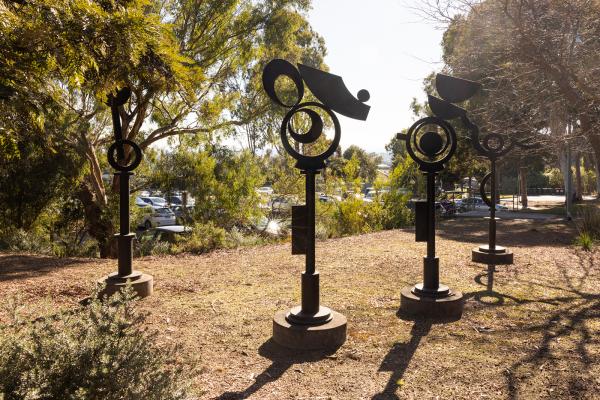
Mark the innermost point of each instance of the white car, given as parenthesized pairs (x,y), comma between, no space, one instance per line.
(158,216)
(151,201)
(477,203)
(283,203)
(265,190)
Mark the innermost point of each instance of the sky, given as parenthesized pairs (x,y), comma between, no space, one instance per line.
(385,47)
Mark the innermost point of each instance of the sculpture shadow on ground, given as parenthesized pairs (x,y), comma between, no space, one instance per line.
(282,359)
(514,233)
(573,323)
(14,267)
(398,358)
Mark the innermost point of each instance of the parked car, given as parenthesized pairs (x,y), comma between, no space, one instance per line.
(373,194)
(158,216)
(162,233)
(152,201)
(477,203)
(326,198)
(265,190)
(283,203)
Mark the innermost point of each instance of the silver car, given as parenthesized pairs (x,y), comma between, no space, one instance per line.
(158,216)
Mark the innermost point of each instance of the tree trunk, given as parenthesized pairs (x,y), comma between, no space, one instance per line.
(523,181)
(99,224)
(95,204)
(595,143)
(578,180)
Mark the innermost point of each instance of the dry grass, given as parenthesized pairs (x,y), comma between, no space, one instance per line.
(534,336)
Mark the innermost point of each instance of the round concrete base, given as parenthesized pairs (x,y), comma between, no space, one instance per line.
(498,256)
(329,335)
(450,306)
(142,284)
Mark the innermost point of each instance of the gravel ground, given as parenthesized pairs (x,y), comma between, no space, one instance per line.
(533,335)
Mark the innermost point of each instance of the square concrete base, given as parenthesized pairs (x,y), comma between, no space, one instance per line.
(450,306)
(142,284)
(330,335)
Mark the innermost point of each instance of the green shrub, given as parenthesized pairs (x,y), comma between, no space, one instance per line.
(584,240)
(239,238)
(589,218)
(204,238)
(396,213)
(99,352)
(32,241)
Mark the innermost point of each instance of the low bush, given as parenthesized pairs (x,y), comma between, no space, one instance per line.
(204,238)
(99,352)
(584,240)
(589,221)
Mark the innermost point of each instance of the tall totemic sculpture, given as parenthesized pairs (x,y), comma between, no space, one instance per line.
(124,163)
(431,142)
(310,325)
(491,145)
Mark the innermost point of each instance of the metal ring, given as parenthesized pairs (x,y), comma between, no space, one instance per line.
(114,162)
(273,70)
(449,147)
(493,149)
(303,161)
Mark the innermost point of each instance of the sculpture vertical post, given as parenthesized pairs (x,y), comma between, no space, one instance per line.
(431,143)
(141,283)
(310,325)
(310,278)
(431,264)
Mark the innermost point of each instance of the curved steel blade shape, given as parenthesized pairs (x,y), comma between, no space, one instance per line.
(333,93)
(443,109)
(455,90)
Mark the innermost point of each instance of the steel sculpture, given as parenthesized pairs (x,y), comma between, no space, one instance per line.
(431,143)
(124,163)
(492,146)
(310,325)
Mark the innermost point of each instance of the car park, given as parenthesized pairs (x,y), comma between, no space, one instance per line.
(158,216)
(162,233)
(476,203)
(265,190)
(151,201)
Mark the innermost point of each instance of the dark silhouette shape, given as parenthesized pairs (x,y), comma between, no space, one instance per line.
(124,163)
(398,358)
(334,96)
(492,146)
(13,267)
(431,143)
(282,359)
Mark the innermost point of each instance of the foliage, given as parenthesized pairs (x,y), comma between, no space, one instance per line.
(588,219)
(191,67)
(204,238)
(367,162)
(536,60)
(97,352)
(585,240)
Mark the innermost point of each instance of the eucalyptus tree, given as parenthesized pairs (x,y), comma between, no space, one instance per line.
(186,62)
(537,59)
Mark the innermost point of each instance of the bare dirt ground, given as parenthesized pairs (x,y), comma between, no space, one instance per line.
(534,335)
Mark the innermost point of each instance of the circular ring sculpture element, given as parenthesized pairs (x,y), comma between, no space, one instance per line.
(431,149)
(304,161)
(112,160)
(482,192)
(274,70)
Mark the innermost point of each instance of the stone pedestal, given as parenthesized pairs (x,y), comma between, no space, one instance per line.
(498,256)
(449,305)
(328,335)
(142,284)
